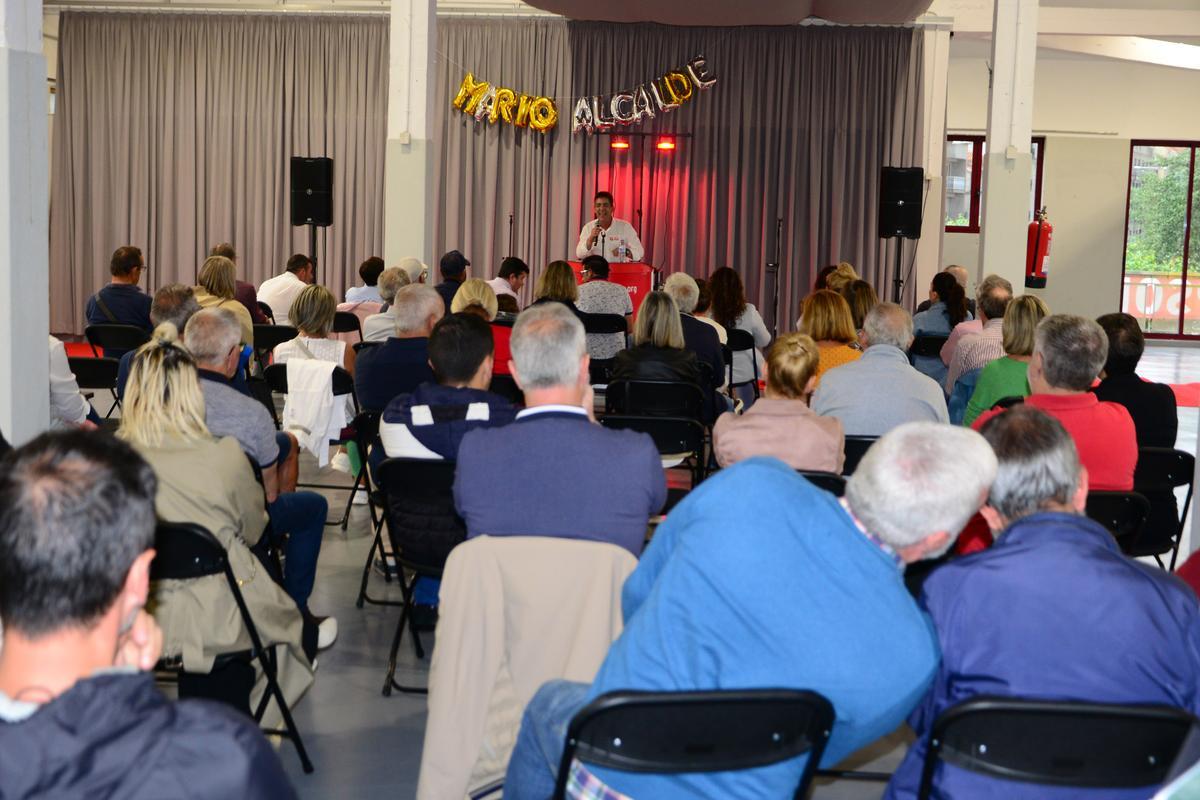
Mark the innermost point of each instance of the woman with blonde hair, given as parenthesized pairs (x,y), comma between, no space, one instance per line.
(209,482)
(658,353)
(825,316)
(861,298)
(841,277)
(1006,377)
(557,284)
(217,285)
(312,312)
(781,424)
(476,297)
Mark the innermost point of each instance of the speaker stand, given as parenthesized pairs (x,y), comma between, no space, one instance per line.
(312,245)
(897,281)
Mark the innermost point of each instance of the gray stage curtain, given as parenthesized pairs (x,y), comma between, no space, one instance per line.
(798,127)
(173,132)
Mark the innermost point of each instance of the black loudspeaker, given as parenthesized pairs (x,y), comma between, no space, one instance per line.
(900,198)
(312,191)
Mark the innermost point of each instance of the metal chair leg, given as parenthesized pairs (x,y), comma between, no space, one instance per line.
(390,682)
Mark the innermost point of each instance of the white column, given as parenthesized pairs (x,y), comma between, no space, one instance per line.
(408,167)
(24,223)
(935,72)
(1008,165)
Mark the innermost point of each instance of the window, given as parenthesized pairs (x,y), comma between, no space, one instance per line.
(964,180)
(1158,285)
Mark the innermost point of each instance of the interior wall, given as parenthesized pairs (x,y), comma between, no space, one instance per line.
(1088,109)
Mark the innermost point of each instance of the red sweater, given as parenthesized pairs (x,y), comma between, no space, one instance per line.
(1103,434)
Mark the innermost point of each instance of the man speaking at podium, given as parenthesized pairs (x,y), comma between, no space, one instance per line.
(615,239)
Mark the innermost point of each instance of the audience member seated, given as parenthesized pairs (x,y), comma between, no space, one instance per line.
(825,316)
(658,352)
(476,297)
(415,269)
(216,290)
(281,291)
(507,309)
(736,590)
(861,298)
(400,364)
(948,307)
(380,327)
(80,715)
(599,295)
(243,292)
(730,310)
(369,271)
(453,267)
(297,518)
(781,424)
(1151,405)
(432,420)
(173,303)
(700,337)
(1052,610)
(704,306)
(511,278)
(960,275)
(209,482)
(880,390)
(121,302)
(586,481)
(68,406)
(312,313)
(1068,354)
(840,277)
(557,284)
(1007,377)
(977,350)
(987,286)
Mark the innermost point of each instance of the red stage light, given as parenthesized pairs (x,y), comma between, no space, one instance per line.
(665,143)
(619,143)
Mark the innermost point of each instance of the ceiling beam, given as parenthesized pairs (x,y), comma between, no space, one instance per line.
(975,16)
(1128,48)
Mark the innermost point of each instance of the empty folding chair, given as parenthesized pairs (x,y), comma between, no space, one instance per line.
(1160,471)
(740,341)
(97,374)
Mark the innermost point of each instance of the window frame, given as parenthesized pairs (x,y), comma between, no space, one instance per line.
(978,143)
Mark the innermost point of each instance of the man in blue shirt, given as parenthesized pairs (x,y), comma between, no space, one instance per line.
(122,301)
(759,579)
(400,364)
(1052,611)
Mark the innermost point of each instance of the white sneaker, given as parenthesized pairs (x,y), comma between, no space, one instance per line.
(327,633)
(340,462)
(360,498)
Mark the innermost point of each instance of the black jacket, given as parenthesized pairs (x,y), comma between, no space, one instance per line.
(701,338)
(1152,406)
(117,736)
(649,363)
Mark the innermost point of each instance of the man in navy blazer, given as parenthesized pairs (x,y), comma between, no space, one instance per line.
(401,364)
(1053,610)
(580,480)
(699,337)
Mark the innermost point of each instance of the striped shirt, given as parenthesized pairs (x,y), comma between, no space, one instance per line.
(976,351)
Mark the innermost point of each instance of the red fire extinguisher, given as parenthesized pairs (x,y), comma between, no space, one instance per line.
(1038,251)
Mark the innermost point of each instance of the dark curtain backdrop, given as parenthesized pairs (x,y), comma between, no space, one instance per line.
(797,128)
(173,132)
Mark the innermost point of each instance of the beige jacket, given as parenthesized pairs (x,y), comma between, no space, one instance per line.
(515,612)
(786,429)
(245,322)
(211,484)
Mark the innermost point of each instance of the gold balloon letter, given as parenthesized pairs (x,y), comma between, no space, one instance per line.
(469,93)
(542,114)
(505,100)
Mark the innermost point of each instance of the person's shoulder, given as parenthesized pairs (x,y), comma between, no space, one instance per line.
(203,733)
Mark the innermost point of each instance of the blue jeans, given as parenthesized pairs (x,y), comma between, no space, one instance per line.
(301,515)
(533,768)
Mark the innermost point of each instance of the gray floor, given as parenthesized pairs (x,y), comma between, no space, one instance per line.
(367,746)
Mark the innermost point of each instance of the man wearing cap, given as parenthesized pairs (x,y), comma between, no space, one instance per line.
(454,271)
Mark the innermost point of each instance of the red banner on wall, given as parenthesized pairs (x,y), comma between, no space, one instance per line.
(1159,295)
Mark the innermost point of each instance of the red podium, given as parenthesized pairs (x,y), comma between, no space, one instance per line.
(636,277)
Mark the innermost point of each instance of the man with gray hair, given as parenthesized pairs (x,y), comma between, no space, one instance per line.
(699,337)
(880,390)
(1052,610)
(378,327)
(173,303)
(760,579)
(297,518)
(586,481)
(1068,354)
(400,364)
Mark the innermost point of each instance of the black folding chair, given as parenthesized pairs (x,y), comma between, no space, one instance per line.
(347,322)
(423,527)
(184,551)
(266,311)
(116,337)
(366,436)
(506,387)
(360,346)
(674,437)
(1009,402)
(654,399)
(343,384)
(714,731)
(604,323)
(600,370)
(1057,743)
(834,484)
(1161,470)
(267,338)
(1123,513)
(740,341)
(97,374)
(926,344)
(856,447)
